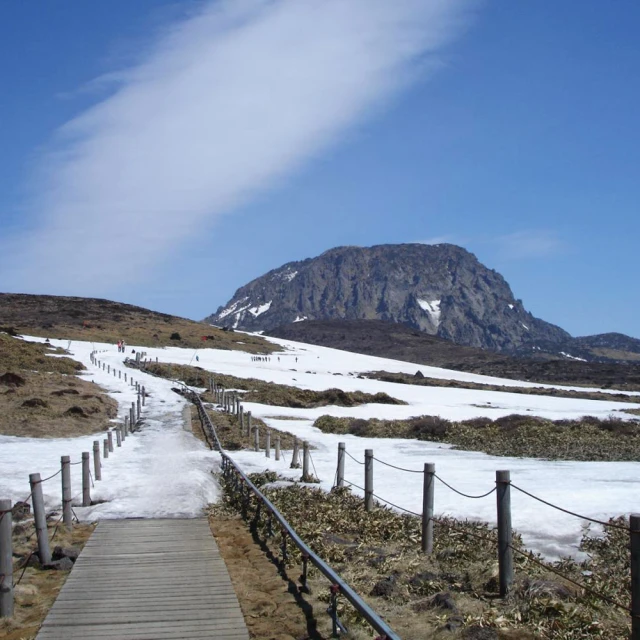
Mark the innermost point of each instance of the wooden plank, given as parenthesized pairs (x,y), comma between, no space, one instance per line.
(147,579)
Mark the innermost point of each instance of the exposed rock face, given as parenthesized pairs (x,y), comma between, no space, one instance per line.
(441,289)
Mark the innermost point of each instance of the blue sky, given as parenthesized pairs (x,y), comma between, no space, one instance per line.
(165,153)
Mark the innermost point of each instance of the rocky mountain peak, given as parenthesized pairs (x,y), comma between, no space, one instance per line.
(442,290)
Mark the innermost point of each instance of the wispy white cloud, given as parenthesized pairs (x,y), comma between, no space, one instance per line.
(518,245)
(223,105)
(530,243)
(447,239)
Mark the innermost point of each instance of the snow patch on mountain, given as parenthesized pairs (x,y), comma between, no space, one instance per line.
(432,308)
(259,310)
(568,355)
(231,308)
(300,318)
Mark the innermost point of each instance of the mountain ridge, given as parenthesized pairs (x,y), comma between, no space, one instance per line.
(441,290)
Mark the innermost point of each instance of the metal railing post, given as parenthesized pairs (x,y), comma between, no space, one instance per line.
(267,444)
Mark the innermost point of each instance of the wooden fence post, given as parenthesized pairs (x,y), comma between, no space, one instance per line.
(428,488)
(256,438)
(125,377)
(110,440)
(86,479)
(119,374)
(341,457)
(634,526)
(368,479)
(505,555)
(295,455)
(125,426)
(105,448)
(238,406)
(139,405)
(249,423)
(277,447)
(40,518)
(119,431)
(144,396)
(241,419)
(267,444)
(65,463)
(6,560)
(305,461)
(97,466)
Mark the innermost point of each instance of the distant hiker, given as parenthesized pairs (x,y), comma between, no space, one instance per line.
(296,359)
(197,358)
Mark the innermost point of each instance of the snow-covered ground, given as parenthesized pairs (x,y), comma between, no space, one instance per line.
(164,471)
(160,471)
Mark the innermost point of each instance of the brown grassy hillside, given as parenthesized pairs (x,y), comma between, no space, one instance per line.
(97,320)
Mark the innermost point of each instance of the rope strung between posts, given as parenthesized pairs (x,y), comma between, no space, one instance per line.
(313,465)
(49,478)
(354,459)
(3,513)
(351,484)
(593,592)
(413,513)
(465,495)
(24,568)
(478,536)
(572,513)
(393,466)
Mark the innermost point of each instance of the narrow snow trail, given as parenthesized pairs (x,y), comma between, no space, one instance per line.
(160,471)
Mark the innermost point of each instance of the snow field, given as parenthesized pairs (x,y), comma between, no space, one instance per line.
(164,471)
(160,471)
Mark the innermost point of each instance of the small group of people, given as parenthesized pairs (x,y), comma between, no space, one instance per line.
(121,346)
(264,359)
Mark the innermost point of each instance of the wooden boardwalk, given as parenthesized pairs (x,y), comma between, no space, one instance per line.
(148,580)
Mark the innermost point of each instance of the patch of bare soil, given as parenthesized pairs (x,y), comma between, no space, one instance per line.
(38,588)
(53,405)
(273,606)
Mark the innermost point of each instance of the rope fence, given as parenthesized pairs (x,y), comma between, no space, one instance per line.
(89,479)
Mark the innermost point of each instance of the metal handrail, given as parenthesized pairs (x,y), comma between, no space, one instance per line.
(358,603)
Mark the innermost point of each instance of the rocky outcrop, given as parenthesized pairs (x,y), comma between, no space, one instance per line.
(441,290)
